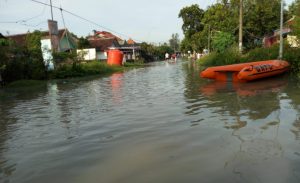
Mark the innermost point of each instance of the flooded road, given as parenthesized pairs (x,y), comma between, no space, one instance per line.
(156,124)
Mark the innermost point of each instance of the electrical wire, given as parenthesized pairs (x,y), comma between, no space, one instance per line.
(62,16)
(82,18)
(27,19)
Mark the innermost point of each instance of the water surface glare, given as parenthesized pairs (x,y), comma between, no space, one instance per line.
(160,123)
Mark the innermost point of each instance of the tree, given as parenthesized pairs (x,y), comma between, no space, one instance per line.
(199,40)
(23,61)
(192,17)
(174,42)
(222,40)
(260,18)
(186,45)
(294,8)
(222,17)
(296,25)
(35,68)
(83,43)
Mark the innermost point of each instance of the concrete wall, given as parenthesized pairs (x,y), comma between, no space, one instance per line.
(88,54)
(47,53)
(101,55)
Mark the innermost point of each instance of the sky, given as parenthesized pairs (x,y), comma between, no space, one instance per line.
(153,21)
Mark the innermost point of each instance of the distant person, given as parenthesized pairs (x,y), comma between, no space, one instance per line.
(173,57)
(167,56)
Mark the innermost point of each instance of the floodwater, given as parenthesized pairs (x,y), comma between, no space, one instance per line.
(160,123)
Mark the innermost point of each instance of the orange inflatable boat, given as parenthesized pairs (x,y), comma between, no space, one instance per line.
(246,71)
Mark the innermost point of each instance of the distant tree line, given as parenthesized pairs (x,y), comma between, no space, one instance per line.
(218,25)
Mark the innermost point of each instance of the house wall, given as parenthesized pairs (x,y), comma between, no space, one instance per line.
(88,54)
(101,55)
(47,53)
(66,44)
(293,41)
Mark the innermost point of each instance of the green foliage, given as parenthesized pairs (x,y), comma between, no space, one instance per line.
(230,56)
(293,56)
(84,69)
(221,41)
(186,45)
(23,62)
(259,54)
(174,42)
(294,8)
(150,52)
(259,19)
(222,17)
(296,25)
(191,16)
(136,63)
(199,41)
(147,52)
(83,43)
(63,57)
(162,50)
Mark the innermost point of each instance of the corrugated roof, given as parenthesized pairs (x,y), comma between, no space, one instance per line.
(20,39)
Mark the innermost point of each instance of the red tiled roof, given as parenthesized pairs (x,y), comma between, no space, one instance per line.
(104,35)
(130,41)
(102,44)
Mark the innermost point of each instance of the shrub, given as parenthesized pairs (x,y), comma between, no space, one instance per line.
(84,69)
(259,54)
(230,56)
(222,41)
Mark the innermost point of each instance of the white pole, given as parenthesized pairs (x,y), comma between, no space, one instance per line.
(281,31)
(241,27)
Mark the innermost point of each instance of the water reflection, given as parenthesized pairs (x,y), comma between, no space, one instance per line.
(6,127)
(254,100)
(116,86)
(271,85)
(157,124)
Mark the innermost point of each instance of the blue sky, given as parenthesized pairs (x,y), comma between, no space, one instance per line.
(142,20)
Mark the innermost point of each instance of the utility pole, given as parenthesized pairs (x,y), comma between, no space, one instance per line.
(281,31)
(241,27)
(51,10)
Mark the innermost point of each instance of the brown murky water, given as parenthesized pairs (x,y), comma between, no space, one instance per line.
(155,124)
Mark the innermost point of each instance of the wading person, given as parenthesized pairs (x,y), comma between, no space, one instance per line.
(166,56)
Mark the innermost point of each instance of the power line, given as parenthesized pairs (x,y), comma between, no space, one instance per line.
(82,18)
(25,20)
(63,19)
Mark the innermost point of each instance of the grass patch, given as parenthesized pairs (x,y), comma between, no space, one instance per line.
(138,63)
(85,69)
(230,56)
